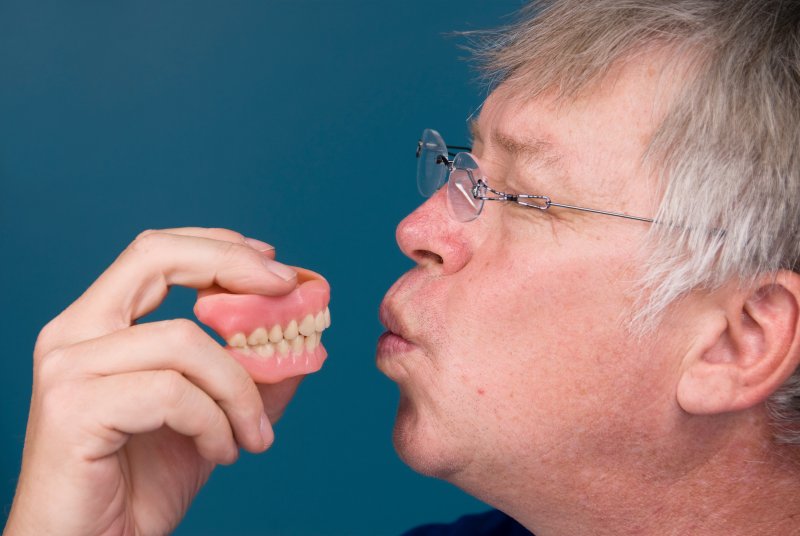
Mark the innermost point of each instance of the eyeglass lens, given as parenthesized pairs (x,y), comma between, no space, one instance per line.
(431,168)
(432,172)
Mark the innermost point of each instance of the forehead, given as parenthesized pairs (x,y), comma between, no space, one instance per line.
(594,143)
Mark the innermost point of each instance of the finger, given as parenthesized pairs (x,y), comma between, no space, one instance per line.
(179,345)
(139,402)
(227,235)
(139,279)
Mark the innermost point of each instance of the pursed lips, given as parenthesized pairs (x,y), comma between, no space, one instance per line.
(391,321)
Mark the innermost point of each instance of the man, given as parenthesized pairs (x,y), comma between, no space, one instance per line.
(601,332)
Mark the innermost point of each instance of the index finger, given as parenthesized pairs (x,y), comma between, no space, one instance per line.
(218,233)
(137,282)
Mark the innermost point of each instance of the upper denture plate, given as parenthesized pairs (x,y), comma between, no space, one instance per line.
(276,333)
(327,318)
(319,321)
(238,340)
(258,337)
(291,330)
(307,326)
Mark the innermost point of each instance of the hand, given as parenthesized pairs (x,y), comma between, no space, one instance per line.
(127,421)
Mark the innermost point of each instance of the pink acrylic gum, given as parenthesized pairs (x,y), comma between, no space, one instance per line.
(232,314)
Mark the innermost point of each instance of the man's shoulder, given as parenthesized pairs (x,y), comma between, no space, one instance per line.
(492,523)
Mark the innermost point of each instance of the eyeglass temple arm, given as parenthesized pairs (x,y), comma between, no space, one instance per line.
(547,203)
(594,210)
(458,148)
(449,152)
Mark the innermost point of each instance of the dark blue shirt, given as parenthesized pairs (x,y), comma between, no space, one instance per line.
(492,523)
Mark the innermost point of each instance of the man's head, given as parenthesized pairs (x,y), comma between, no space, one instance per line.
(559,357)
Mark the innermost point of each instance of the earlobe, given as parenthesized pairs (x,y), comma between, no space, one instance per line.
(749,346)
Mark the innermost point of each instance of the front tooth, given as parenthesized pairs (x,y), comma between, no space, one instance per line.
(297,345)
(266,350)
(307,326)
(258,337)
(291,330)
(283,347)
(327,318)
(312,341)
(276,333)
(238,340)
(319,321)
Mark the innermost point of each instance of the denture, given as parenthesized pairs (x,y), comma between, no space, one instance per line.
(273,337)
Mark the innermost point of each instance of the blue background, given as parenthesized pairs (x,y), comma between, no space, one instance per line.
(290,121)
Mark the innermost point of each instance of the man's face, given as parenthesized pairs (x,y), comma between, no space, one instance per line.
(515,362)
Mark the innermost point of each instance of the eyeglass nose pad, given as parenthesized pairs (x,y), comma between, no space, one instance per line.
(465,161)
(462,203)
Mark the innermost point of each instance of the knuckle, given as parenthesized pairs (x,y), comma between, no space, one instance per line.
(241,259)
(230,251)
(147,241)
(215,421)
(184,331)
(170,387)
(226,234)
(49,368)
(145,233)
(47,335)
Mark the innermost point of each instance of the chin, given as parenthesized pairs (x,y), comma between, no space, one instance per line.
(426,448)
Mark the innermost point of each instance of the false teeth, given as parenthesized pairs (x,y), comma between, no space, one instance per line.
(295,338)
(291,330)
(276,333)
(307,326)
(238,340)
(258,337)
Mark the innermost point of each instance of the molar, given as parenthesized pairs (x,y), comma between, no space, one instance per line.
(238,340)
(266,350)
(258,337)
(327,315)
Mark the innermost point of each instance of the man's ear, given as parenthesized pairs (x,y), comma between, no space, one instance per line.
(749,347)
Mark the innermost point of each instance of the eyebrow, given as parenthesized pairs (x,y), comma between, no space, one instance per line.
(531,147)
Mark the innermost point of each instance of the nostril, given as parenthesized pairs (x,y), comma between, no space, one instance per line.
(425,256)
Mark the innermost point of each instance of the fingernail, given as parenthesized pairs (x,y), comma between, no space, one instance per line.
(267,434)
(281,270)
(258,245)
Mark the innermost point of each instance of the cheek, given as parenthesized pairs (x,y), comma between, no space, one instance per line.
(541,326)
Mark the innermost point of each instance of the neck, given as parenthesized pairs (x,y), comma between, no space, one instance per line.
(733,486)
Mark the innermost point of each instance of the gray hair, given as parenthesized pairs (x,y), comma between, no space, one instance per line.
(728,149)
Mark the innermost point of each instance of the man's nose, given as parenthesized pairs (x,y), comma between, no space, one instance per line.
(430,237)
